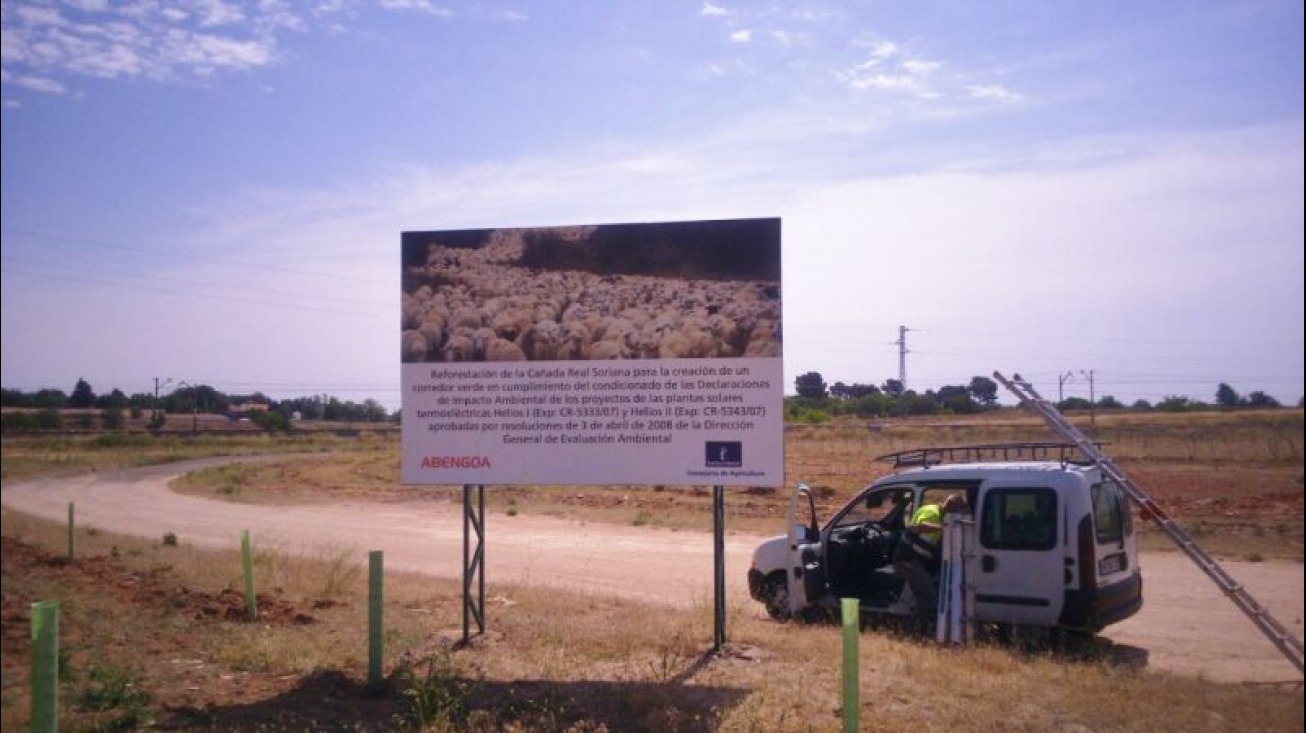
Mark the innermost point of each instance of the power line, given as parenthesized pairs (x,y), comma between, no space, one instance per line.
(185,256)
(185,294)
(179,281)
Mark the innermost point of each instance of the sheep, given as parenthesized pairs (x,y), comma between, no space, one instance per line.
(542,341)
(503,350)
(575,339)
(511,322)
(432,329)
(413,347)
(481,339)
(607,350)
(466,318)
(459,347)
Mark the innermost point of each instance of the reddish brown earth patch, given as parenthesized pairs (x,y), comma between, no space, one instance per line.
(147,589)
(183,689)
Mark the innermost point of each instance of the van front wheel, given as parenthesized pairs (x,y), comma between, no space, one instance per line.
(775,595)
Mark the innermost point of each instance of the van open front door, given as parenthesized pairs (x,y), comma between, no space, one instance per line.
(804,545)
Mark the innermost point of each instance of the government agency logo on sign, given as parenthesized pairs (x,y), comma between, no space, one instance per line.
(724,454)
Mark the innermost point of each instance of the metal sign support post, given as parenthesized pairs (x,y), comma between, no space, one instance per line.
(719,566)
(473,561)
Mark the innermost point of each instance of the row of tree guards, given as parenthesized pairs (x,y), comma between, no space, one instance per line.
(45,614)
(45,630)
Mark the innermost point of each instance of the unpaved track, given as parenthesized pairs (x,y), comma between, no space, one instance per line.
(1186,625)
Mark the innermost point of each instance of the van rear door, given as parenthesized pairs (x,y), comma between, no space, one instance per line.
(1116,549)
(1110,581)
(1021,557)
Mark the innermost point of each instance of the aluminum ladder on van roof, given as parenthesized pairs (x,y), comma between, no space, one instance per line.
(1289,645)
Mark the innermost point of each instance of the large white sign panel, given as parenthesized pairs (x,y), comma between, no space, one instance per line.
(608,354)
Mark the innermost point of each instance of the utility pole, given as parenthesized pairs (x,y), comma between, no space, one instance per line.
(902,357)
(194,405)
(1092,399)
(1061,385)
(159,383)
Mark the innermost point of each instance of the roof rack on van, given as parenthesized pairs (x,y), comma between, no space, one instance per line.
(1063,452)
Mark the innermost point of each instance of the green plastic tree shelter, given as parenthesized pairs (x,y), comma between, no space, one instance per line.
(45,666)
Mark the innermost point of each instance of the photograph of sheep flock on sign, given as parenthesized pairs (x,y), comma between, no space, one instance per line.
(677,290)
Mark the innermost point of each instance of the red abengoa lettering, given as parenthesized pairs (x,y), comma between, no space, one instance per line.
(455,462)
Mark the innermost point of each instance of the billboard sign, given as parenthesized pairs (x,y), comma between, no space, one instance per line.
(602,354)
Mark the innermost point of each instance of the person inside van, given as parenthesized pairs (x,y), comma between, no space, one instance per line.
(919,562)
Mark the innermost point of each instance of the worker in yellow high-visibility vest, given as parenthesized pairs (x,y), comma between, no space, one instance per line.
(924,535)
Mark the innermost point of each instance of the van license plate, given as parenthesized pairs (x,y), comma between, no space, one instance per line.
(1111,564)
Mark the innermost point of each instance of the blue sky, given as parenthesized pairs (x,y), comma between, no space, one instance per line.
(213,192)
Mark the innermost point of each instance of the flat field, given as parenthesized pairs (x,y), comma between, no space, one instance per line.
(155,633)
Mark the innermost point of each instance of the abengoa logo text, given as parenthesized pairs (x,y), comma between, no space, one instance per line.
(455,462)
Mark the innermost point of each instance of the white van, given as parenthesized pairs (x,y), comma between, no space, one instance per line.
(1055,540)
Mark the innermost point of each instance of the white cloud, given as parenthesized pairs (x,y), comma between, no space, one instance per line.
(741,36)
(709,9)
(141,40)
(424,6)
(887,82)
(513,16)
(216,13)
(993,91)
(884,49)
(785,38)
(920,68)
(40,16)
(206,53)
(37,84)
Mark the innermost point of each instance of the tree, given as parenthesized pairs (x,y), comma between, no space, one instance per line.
(984,390)
(910,403)
(810,386)
(1174,403)
(956,399)
(1260,399)
(1109,403)
(1075,403)
(271,421)
(83,396)
(115,399)
(892,387)
(1225,396)
(53,399)
(873,405)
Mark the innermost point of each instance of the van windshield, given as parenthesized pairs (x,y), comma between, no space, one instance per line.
(874,506)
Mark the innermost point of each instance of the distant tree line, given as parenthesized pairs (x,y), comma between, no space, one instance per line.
(48,409)
(815,401)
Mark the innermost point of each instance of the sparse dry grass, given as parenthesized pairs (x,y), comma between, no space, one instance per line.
(43,456)
(566,661)
(1233,478)
(561,661)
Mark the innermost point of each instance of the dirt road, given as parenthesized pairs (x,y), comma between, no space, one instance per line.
(1186,626)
